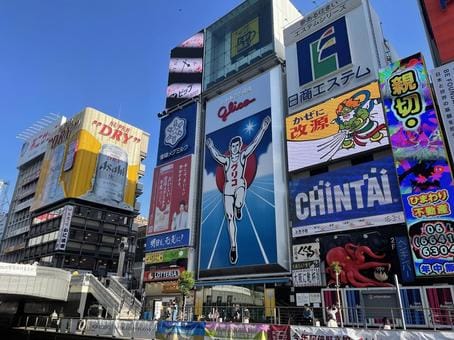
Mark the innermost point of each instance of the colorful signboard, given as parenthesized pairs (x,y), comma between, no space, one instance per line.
(330,51)
(340,127)
(425,177)
(364,195)
(163,274)
(166,256)
(245,38)
(174,239)
(93,157)
(177,134)
(238,205)
(170,196)
(443,84)
(438,16)
(185,71)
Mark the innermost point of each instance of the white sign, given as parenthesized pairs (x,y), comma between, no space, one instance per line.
(443,81)
(65,224)
(17,269)
(306,252)
(302,299)
(307,275)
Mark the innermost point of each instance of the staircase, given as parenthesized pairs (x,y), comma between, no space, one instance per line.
(115,298)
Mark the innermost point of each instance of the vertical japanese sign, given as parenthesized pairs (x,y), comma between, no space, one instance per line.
(424,174)
(169,198)
(306,265)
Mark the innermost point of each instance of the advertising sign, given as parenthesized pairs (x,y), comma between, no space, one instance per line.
(174,239)
(306,265)
(170,196)
(340,127)
(230,331)
(180,330)
(366,258)
(37,144)
(93,157)
(177,134)
(65,224)
(162,274)
(245,38)
(185,71)
(438,16)
(443,83)
(425,177)
(364,195)
(328,52)
(238,205)
(166,256)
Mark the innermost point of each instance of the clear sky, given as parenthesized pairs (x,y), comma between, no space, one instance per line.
(63,55)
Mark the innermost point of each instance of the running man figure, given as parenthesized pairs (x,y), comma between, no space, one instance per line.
(235,184)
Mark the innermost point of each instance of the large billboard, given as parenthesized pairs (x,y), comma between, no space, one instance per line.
(438,16)
(443,83)
(177,134)
(330,51)
(340,127)
(185,71)
(424,174)
(93,157)
(170,197)
(364,195)
(240,215)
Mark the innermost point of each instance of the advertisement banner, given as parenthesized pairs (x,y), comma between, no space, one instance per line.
(92,157)
(169,197)
(328,52)
(440,301)
(366,258)
(17,269)
(364,195)
(443,84)
(244,39)
(65,224)
(424,174)
(234,331)
(307,274)
(438,16)
(340,127)
(185,71)
(174,239)
(177,134)
(169,330)
(166,256)
(306,252)
(162,274)
(238,204)
(121,328)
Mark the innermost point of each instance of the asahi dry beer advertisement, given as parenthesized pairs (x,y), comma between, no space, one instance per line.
(93,157)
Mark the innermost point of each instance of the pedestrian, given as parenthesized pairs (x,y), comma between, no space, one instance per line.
(246,315)
(386,323)
(174,311)
(308,316)
(331,313)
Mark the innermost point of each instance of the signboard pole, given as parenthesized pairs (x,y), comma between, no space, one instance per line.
(339,306)
(399,298)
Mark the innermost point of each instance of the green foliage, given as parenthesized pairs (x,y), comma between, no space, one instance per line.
(186,283)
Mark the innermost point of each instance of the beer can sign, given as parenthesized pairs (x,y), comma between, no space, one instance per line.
(111,171)
(52,189)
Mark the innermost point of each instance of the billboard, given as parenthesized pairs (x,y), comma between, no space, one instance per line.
(330,51)
(163,274)
(438,16)
(65,224)
(424,174)
(340,127)
(177,134)
(166,256)
(170,196)
(367,258)
(185,71)
(37,144)
(239,209)
(443,83)
(93,157)
(364,195)
(174,239)
(306,269)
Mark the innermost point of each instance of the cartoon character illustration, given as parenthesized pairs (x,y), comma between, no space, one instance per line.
(422,176)
(351,259)
(354,120)
(234,191)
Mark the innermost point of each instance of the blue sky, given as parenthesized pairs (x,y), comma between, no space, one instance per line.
(63,55)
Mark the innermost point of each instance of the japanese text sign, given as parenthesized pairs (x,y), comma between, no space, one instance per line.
(425,177)
(170,240)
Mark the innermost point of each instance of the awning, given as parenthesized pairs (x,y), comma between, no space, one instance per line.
(242,281)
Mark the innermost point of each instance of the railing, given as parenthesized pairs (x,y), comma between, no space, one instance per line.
(125,296)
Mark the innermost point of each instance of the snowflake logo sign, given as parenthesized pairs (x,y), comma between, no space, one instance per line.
(175,131)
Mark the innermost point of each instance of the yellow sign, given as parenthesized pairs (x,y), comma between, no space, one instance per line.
(244,38)
(93,157)
(270,302)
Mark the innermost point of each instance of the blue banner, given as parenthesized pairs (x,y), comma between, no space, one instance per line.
(180,330)
(175,239)
(405,260)
(177,134)
(361,196)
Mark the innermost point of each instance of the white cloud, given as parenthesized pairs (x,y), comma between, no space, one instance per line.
(265,162)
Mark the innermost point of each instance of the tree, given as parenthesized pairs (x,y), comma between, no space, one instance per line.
(185,285)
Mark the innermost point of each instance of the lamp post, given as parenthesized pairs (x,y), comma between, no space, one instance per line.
(337,269)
